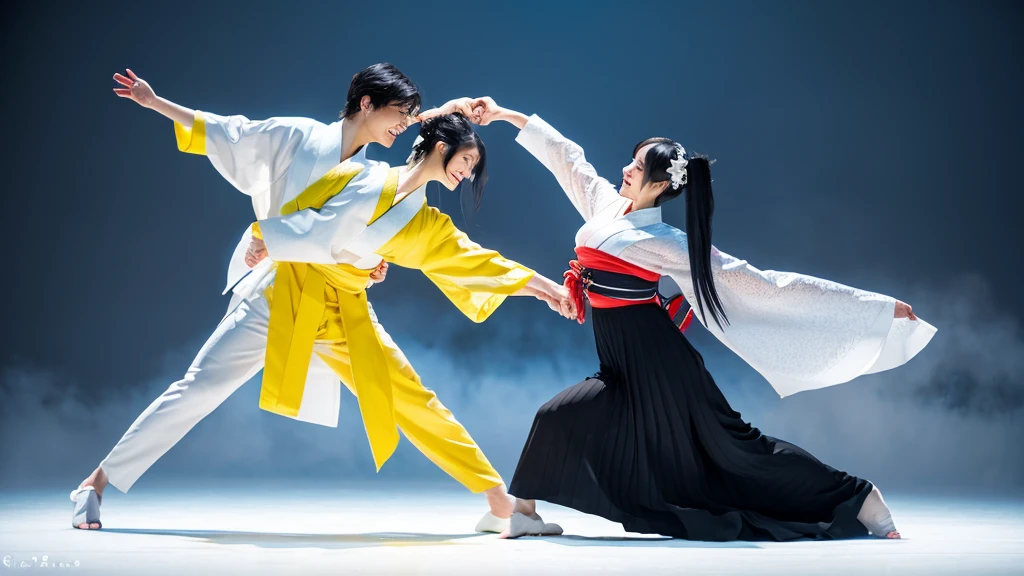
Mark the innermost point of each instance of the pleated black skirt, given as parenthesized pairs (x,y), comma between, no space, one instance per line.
(651,442)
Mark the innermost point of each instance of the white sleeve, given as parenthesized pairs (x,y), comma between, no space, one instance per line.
(798,331)
(304,236)
(587,191)
(319,236)
(250,154)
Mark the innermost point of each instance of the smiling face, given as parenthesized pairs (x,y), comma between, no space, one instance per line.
(460,166)
(386,123)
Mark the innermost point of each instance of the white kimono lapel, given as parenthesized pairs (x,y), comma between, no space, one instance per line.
(328,155)
(387,226)
(320,153)
(615,234)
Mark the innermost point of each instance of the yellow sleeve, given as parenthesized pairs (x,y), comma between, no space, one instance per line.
(475,279)
(192,140)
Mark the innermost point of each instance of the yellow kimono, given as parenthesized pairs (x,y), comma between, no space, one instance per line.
(322,302)
(326,230)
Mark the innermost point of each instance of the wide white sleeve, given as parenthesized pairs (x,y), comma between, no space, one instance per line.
(250,154)
(319,236)
(798,331)
(587,191)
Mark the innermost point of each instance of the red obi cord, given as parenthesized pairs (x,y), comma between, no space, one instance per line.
(573,282)
(590,258)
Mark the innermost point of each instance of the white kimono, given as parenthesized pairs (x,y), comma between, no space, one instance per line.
(799,332)
(273,161)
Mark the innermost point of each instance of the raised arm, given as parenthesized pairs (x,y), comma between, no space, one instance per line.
(249,154)
(587,191)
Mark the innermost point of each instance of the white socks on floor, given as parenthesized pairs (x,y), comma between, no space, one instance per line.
(875,516)
(523,525)
(491,523)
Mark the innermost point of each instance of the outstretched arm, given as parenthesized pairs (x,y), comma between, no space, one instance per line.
(250,154)
(587,191)
(477,280)
(551,293)
(800,332)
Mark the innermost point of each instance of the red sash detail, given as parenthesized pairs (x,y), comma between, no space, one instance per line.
(591,258)
(598,260)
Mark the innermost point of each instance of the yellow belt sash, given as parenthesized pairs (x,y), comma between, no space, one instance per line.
(302,304)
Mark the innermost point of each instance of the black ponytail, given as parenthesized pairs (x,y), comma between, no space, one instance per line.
(700,206)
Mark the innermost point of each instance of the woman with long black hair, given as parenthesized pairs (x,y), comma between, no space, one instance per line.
(650,441)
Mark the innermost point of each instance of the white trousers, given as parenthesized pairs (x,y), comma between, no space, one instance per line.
(232,355)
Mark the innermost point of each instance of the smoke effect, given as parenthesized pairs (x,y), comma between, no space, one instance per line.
(51,432)
(950,418)
(979,372)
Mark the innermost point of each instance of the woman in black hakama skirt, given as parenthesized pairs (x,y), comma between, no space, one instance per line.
(650,441)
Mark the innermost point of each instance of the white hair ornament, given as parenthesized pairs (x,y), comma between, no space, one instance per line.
(678,168)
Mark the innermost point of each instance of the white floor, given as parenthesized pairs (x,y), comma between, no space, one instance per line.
(386,530)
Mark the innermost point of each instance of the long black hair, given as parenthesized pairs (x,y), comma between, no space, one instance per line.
(700,205)
(385,85)
(456,131)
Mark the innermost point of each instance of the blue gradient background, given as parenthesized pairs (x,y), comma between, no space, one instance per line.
(871,143)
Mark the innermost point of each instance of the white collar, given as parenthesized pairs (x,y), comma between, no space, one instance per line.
(645,217)
(329,153)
